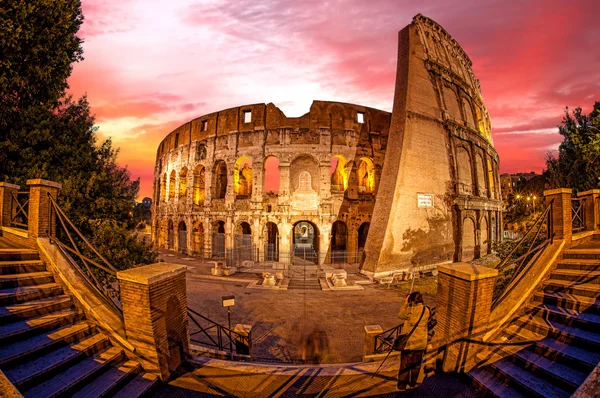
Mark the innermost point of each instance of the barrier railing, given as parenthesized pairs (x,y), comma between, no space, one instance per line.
(513,266)
(20,210)
(215,335)
(101,274)
(578,214)
(384,342)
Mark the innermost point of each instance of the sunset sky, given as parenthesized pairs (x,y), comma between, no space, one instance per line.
(151,65)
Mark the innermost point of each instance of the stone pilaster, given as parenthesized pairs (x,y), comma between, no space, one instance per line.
(39,207)
(155,315)
(463,301)
(6,193)
(562,222)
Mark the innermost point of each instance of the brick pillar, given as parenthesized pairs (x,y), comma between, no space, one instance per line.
(562,222)
(463,300)
(39,207)
(370,332)
(6,192)
(155,315)
(591,210)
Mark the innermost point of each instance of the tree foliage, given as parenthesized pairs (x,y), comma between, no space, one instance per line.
(45,133)
(578,162)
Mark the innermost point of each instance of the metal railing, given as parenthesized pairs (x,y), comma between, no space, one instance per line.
(527,249)
(20,210)
(215,335)
(100,274)
(384,341)
(578,214)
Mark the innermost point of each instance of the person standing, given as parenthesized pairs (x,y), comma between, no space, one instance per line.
(416,316)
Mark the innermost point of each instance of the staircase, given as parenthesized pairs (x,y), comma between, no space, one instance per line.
(560,330)
(47,347)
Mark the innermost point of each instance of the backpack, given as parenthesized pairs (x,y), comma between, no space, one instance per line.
(431,322)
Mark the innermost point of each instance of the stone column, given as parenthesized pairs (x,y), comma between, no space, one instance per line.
(39,207)
(6,193)
(325,238)
(591,208)
(284,183)
(325,180)
(285,242)
(370,332)
(155,315)
(258,167)
(463,300)
(562,222)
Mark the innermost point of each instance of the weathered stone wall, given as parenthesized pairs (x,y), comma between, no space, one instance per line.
(440,145)
(307,143)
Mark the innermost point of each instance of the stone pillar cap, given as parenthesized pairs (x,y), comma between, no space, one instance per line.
(589,192)
(468,272)
(373,329)
(9,185)
(45,183)
(152,273)
(558,191)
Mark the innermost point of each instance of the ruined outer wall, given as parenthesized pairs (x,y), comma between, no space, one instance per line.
(440,145)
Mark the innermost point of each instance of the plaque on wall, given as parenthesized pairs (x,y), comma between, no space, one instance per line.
(424,200)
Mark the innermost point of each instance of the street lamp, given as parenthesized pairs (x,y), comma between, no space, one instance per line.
(534,198)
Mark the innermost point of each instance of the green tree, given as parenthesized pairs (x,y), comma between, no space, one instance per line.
(578,162)
(45,133)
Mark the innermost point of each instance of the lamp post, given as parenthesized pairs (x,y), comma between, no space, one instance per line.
(534,198)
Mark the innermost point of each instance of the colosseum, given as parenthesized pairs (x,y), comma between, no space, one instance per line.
(342,183)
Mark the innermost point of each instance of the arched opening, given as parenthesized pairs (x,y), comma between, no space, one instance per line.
(271,240)
(172,182)
(485,239)
(304,183)
(465,178)
(242,242)
(182,228)
(220,179)
(491,179)
(199,240)
(468,240)
(170,236)
(199,185)
(305,237)
(365,177)
(480,176)
(339,240)
(183,183)
(272,176)
(339,174)
(363,232)
(468,111)
(218,239)
(162,194)
(242,177)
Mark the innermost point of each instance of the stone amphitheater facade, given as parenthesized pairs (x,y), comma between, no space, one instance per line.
(202,190)
(418,187)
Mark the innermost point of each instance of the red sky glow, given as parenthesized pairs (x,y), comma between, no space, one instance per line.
(152,65)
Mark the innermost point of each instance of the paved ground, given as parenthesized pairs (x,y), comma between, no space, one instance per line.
(282,320)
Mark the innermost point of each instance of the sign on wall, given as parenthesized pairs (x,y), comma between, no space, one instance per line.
(424,200)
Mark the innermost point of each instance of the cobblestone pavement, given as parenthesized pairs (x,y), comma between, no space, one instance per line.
(282,319)
(214,378)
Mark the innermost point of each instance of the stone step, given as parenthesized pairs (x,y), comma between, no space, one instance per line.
(110,381)
(561,375)
(575,288)
(138,386)
(567,354)
(23,329)
(569,301)
(18,254)
(27,279)
(19,352)
(526,382)
(486,381)
(581,264)
(577,276)
(20,266)
(29,309)
(580,320)
(45,367)
(74,377)
(556,330)
(588,253)
(26,293)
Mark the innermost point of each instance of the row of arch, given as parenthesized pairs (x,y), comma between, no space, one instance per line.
(360,173)
(475,176)
(304,234)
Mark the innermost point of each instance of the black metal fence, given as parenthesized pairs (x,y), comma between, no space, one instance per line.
(19,205)
(578,214)
(209,333)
